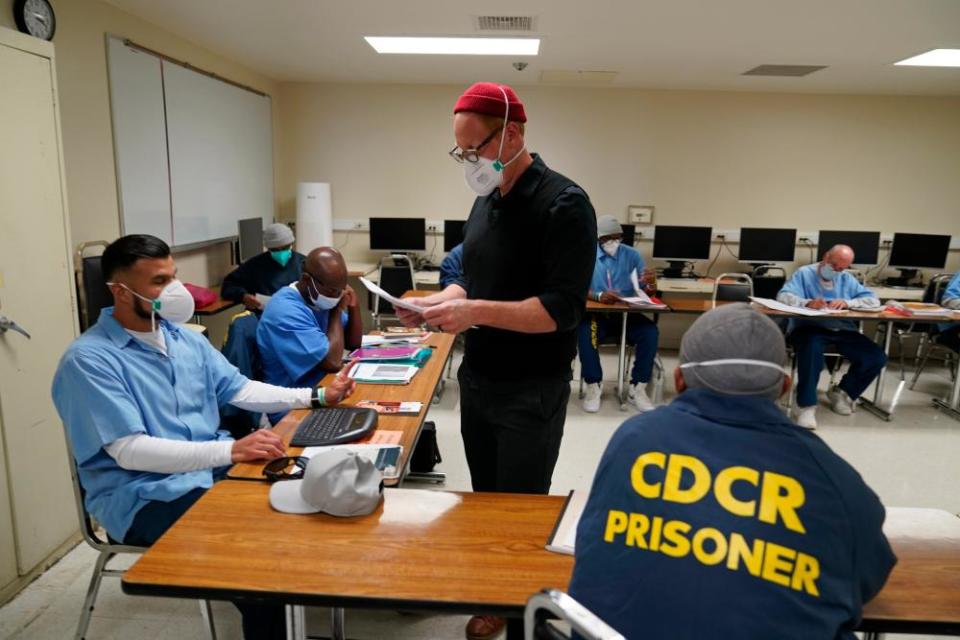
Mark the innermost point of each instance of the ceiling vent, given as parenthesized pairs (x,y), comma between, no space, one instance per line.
(513,24)
(784,70)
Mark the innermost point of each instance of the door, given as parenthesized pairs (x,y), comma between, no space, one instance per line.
(36,292)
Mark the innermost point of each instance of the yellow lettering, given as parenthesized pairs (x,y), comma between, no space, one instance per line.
(639,524)
(805,574)
(674,534)
(671,484)
(722,488)
(777,563)
(616,523)
(781,495)
(719,542)
(752,558)
(655,533)
(654,458)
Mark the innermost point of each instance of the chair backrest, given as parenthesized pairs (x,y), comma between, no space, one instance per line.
(241,350)
(768,282)
(92,292)
(936,287)
(396,278)
(552,604)
(732,287)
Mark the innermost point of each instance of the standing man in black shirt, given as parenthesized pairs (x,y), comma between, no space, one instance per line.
(528,253)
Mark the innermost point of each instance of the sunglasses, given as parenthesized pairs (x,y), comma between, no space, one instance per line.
(285,468)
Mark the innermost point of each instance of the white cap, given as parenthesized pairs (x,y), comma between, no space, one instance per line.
(337,482)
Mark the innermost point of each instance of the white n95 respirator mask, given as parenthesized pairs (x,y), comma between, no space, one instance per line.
(174,304)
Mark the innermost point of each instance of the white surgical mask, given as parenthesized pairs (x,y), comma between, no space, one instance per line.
(484,175)
(321,302)
(827,272)
(174,304)
(610,247)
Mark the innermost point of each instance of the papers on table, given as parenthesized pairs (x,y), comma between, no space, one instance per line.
(787,308)
(390,352)
(383,373)
(564,535)
(396,302)
(384,457)
(379,340)
(409,408)
(924,309)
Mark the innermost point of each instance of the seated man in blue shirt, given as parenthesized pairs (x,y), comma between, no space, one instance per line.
(949,335)
(716,517)
(451,269)
(306,326)
(827,284)
(267,272)
(611,281)
(139,398)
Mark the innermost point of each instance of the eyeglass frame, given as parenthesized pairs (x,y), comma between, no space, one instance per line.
(461,155)
(276,469)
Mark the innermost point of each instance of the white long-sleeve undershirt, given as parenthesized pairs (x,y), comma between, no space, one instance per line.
(142,452)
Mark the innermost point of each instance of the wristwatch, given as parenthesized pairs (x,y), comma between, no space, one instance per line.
(316,398)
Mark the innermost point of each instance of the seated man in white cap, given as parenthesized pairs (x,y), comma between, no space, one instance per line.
(267,272)
(717,517)
(611,281)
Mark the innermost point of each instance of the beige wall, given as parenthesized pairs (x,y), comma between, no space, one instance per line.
(720,159)
(85,116)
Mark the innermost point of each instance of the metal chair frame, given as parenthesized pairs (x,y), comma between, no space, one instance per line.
(656,379)
(927,345)
(394,259)
(720,288)
(552,604)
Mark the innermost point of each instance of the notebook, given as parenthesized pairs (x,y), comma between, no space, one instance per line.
(564,535)
(383,373)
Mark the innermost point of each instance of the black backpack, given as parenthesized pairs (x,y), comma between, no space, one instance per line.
(426,455)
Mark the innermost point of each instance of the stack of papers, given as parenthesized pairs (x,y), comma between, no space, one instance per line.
(786,308)
(402,352)
(410,408)
(383,373)
(385,457)
(643,301)
(925,309)
(564,535)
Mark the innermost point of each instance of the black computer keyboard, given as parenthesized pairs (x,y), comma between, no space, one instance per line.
(334,425)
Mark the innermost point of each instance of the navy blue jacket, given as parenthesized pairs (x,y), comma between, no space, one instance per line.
(716,517)
(451,269)
(261,274)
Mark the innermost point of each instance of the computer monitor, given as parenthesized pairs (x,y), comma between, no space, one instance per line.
(764,246)
(629,234)
(919,251)
(452,234)
(250,233)
(865,244)
(398,234)
(679,245)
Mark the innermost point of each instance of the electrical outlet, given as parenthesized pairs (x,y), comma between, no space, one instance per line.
(640,214)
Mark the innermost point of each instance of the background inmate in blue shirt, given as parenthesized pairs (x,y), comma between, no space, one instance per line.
(715,517)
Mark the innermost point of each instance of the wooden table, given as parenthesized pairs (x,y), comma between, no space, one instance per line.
(420,389)
(470,553)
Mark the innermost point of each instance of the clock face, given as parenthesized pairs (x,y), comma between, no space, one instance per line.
(36,18)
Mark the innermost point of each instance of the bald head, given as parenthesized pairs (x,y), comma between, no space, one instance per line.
(839,256)
(324,273)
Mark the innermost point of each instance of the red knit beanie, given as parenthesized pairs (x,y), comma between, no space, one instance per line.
(487,98)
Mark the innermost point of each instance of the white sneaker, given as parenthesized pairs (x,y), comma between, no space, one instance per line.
(591,400)
(637,393)
(806,417)
(840,402)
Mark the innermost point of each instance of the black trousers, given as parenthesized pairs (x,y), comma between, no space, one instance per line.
(512,430)
(260,621)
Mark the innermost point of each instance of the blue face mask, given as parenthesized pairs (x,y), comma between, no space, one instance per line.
(282,256)
(827,272)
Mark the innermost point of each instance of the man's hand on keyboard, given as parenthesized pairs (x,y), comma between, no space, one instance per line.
(259,445)
(341,387)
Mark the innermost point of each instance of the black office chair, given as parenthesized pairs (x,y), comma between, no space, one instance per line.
(553,604)
(928,332)
(396,278)
(767,281)
(732,287)
(92,292)
(241,350)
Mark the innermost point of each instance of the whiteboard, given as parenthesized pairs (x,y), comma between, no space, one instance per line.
(194,153)
(140,141)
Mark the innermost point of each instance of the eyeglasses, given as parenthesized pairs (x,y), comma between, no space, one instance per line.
(473,155)
(286,468)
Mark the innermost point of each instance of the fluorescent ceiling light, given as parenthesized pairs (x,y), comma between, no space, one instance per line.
(456,46)
(934,58)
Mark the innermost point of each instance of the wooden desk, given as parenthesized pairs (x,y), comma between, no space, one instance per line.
(420,389)
(471,553)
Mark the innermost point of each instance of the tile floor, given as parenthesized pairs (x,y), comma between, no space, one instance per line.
(912,461)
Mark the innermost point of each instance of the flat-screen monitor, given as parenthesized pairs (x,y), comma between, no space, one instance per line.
(865,244)
(250,232)
(767,245)
(919,251)
(452,234)
(681,244)
(629,234)
(398,234)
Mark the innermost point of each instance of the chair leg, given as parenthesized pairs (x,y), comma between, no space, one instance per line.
(92,591)
(923,363)
(296,622)
(337,624)
(206,613)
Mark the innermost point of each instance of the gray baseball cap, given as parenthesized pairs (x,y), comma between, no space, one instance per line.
(337,482)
